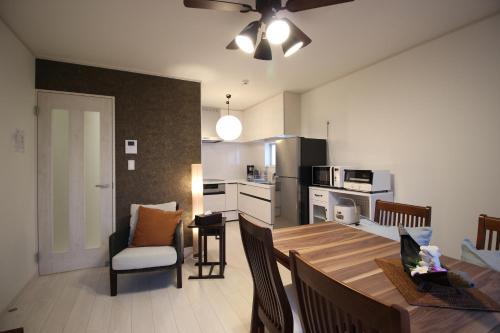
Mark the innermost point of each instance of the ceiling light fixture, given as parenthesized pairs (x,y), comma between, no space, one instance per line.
(263,51)
(232,45)
(297,40)
(228,127)
(247,38)
(283,33)
(278,31)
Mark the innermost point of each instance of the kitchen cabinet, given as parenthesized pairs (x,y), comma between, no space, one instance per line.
(209,118)
(225,203)
(257,202)
(276,117)
(323,200)
(320,206)
(231,196)
(214,202)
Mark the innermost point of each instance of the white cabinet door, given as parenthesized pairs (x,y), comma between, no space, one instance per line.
(231,196)
(319,211)
(258,208)
(214,203)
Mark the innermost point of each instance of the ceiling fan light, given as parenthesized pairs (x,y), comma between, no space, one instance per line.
(297,40)
(263,51)
(278,31)
(247,37)
(232,45)
(245,44)
(293,49)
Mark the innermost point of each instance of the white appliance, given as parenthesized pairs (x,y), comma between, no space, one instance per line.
(367,180)
(322,175)
(338,175)
(347,213)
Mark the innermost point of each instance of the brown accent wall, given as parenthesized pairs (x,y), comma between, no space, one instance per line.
(163,114)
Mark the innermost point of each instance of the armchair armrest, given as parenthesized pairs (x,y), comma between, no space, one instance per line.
(117,242)
(179,242)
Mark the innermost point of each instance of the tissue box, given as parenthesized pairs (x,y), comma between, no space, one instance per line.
(203,220)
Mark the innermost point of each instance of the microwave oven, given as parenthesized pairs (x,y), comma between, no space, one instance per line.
(367,180)
(322,176)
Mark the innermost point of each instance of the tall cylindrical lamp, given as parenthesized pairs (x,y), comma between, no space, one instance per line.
(197,198)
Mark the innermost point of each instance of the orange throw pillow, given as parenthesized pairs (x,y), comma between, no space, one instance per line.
(155,227)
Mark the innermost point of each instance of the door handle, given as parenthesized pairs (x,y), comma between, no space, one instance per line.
(102,185)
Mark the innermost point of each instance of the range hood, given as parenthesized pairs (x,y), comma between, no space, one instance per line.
(211,139)
(209,118)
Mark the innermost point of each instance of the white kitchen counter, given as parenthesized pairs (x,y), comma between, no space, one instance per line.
(239,181)
(251,198)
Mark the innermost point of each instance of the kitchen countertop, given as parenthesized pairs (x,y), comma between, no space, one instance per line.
(238,181)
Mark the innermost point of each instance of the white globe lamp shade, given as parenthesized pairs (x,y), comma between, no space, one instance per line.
(228,128)
(277,32)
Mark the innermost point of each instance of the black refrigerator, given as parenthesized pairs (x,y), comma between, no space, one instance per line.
(294,160)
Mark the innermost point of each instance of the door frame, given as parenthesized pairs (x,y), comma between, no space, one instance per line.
(113,162)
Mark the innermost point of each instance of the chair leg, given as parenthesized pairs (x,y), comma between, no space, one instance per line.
(113,283)
(179,276)
(256,325)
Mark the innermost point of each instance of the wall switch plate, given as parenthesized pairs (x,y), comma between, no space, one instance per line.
(130,146)
(131,165)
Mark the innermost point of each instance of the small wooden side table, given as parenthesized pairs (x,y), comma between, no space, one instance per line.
(218,230)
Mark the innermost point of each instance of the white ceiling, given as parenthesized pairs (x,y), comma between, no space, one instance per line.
(163,37)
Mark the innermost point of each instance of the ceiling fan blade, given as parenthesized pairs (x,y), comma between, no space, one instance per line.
(300,5)
(218,5)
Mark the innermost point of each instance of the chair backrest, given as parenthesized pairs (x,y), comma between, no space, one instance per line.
(490,225)
(393,214)
(329,306)
(272,303)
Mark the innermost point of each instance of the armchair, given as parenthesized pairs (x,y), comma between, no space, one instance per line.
(124,259)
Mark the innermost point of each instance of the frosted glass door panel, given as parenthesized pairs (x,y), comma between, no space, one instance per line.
(60,123)
(92,170)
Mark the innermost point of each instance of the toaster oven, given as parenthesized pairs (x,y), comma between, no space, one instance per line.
(367,180)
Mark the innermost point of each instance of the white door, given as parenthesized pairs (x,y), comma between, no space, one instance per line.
(75,175)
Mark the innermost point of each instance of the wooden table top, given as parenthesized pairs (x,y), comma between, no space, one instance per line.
(347,254)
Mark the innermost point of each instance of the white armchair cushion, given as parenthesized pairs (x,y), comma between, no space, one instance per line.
(483,258)
(144,257)
(134,214)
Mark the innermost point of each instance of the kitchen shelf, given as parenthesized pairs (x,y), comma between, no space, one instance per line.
(366,201)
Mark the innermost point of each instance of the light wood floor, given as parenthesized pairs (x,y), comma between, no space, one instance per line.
(79,301)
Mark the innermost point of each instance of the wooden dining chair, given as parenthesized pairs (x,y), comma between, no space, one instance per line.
(329,306)
(393,214)
(270,303)
(492,225)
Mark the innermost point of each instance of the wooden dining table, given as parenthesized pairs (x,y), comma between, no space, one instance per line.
(348,255)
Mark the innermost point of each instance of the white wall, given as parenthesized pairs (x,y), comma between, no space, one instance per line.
(431,115)
(226,160)
(17,175)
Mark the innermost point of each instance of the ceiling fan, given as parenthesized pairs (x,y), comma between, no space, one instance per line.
(274,30)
